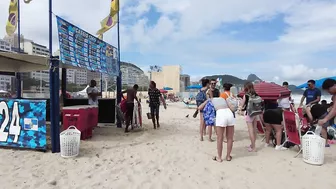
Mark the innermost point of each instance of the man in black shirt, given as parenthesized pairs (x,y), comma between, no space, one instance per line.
(215,92)
(155,96)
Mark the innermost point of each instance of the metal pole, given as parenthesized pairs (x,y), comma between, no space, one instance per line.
(54,91)
(18,75)
(118,100)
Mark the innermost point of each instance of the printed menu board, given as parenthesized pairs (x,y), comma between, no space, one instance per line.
(80,49)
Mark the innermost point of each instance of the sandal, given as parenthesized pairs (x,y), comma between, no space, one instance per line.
(250,149)
(229,159)
(215,159)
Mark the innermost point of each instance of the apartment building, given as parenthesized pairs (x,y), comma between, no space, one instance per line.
(5,46)
(171,76)
(132,74)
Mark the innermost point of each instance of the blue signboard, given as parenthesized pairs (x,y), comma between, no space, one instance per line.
(23,123)
(80,49)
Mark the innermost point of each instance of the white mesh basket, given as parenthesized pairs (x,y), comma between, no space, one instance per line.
(313,147)
(70,142)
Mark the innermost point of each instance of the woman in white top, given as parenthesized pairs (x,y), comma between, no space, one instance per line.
(286,103)
(224,121)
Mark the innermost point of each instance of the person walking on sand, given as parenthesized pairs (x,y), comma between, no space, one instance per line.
(201,97)
(253,107)
(155,96)
(131,96)
(224,122)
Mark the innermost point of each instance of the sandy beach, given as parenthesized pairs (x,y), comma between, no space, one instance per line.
(171,157)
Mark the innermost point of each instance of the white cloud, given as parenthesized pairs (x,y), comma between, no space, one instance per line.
(186,33)
(303,73)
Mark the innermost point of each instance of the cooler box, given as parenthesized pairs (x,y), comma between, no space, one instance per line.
(93,116)
(77,116)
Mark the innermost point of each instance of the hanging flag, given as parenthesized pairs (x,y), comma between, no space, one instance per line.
(107,23)
(12,17)
(114,7)
(111,20)
(12,20)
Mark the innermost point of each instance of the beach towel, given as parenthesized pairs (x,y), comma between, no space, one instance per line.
(209,114)
(137,116)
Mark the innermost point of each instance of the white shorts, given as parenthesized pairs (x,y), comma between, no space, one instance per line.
(224,118)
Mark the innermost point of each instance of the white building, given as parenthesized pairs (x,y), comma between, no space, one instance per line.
(32,48)
(5,81)
(14,41)
(132,74)
(5,46)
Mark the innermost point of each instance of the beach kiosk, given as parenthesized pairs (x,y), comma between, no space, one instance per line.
(24,120)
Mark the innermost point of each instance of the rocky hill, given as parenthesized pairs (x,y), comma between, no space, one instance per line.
(252,77)
(233,79)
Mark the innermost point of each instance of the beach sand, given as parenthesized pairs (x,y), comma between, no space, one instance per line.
(170,157)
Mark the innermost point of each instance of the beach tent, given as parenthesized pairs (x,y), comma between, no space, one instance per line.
(318,83)
(194,86)
(167,88)
(269,91)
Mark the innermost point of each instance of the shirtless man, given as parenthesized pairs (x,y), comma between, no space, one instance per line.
(131,96)
(329,85)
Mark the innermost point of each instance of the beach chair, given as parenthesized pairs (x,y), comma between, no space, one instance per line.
(292,129)
(303,121)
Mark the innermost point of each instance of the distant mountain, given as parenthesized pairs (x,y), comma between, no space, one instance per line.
(295,90)
(228,79)
(253,77)
(234,80)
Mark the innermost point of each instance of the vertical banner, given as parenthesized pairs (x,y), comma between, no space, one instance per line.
(23,123)
(12,17)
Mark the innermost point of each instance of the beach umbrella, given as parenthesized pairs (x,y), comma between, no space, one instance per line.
(194,86)
(318,83)
(163,91)
(269,91)
(167,88)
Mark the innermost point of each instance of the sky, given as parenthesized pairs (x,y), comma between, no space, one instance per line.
(287,40)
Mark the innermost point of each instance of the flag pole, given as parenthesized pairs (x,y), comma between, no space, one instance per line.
(18,74)
(54,91)
(119,75)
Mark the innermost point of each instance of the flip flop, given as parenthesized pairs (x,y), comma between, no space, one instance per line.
(250,149)
(230,158)
(215,159)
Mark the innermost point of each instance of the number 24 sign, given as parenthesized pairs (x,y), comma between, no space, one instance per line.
(14,127)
